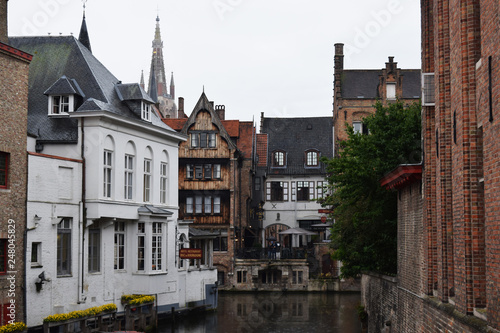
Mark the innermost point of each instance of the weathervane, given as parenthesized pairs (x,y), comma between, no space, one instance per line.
(84,2)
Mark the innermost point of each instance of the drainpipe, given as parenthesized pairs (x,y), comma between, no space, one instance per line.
(83,214)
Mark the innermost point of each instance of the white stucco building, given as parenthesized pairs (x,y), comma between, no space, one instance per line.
(102,191)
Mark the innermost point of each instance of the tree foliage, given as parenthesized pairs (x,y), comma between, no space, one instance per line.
(364,234)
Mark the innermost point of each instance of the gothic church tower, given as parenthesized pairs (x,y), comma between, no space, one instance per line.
(157,87)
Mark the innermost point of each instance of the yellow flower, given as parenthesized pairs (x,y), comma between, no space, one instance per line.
(14,327)
(80,313)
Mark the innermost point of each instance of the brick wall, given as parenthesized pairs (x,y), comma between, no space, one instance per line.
(488,119)
(379,295)
(460,179)
(13,140)
(411,267)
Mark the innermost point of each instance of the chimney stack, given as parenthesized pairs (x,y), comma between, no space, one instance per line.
(180,110)
(339,57)
(4,37)
(221,111)
(391,65)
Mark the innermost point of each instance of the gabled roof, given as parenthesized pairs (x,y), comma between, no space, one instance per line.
(295,136)
(64,56)
(205,105)
(64,86)
(362,83)
(132,91)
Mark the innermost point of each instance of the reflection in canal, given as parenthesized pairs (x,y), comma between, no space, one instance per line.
(275,312)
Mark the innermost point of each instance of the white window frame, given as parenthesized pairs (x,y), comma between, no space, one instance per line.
(357,126)
(163,182)
(141,246)
(312,158)
(129,177)
(147,180)
(145,111)
(64,247)
(119,246)
(391,90)
(61,104)
(107,173)
(157,246)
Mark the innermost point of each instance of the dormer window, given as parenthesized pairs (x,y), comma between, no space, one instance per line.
(278,159)
(61,104)
(312,158)
(62,96)
(145,111)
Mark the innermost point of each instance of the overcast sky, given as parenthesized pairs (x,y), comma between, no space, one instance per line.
(253,56)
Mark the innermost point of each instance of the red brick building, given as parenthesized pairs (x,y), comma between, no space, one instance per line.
(13,167)
(461,186)
(449,249)
(357,90)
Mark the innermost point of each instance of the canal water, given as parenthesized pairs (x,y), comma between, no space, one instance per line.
(274,313)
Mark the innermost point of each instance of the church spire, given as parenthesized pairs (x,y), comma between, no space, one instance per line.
(84,34)
(157,65)
(172,86)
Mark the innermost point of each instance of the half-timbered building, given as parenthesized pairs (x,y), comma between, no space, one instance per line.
(215,166)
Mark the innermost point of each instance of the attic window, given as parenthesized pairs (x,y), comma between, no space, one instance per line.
(391,90)
(61,104)
(145,111)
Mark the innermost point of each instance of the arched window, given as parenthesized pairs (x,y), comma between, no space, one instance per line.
(164,178)
(148,175)
(129,168)
(108,165)
(279,159)
(312,158)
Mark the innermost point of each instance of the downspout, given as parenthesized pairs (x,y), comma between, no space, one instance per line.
(83,212)
(25,244)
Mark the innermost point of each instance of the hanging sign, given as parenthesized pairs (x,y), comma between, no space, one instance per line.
(190,254)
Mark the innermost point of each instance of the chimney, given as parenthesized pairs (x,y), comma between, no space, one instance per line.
(4,37)
(221,111)
(339,57)
(391,65)
(211,104)
(180,110)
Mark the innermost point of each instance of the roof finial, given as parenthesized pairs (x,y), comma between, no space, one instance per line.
(84,34)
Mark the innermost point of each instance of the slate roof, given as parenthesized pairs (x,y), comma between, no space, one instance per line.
(364,83)
(295,136)
(64,56)
(195,233)
(150,209)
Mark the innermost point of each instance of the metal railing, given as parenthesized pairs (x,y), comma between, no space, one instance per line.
(278,254)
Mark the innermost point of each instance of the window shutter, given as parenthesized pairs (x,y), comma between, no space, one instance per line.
(203,140)
(294,191)
(285,191)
